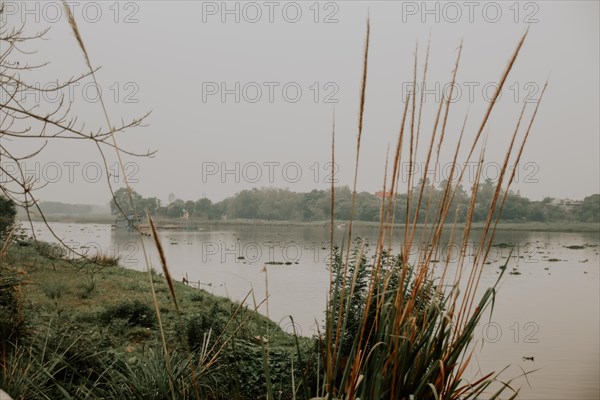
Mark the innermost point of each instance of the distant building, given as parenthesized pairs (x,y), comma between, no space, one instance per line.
(566,204)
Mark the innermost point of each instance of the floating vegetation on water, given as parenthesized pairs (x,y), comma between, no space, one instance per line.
(514,272)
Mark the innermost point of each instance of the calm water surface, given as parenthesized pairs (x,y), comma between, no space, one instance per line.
(550,311)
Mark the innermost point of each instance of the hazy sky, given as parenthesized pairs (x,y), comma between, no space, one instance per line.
(242,94)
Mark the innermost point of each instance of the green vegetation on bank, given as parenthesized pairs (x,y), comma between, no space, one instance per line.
(284,205)
(199,223)
(81,329)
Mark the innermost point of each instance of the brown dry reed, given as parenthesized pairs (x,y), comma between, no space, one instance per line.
(410,344)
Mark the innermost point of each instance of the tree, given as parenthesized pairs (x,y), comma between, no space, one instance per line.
(342,203)
(175,209)
(517,208)
(219,210)
(121,203)
(589,209)
(202,207)
(367,207)
(190,207)
(151,205)
(536,212)
(485,194)
(314,205)
(8,211)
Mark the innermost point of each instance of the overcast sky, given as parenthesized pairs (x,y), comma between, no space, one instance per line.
(242,94)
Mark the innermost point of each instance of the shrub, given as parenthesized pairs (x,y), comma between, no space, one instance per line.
(52,251)
(12,322)
(201,324)
(8,211)
(54,290)
(88,287)
(134,312)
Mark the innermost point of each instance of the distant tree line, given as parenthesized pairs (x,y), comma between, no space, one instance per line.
(283,204)
(55,207)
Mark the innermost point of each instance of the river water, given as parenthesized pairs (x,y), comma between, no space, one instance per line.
(550,311)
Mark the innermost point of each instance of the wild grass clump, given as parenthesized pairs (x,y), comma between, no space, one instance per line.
(409,355)
(146,377)
(56,363)
(88,287)
(54,290)
(22,375)
(105,260)
(353,284)
(397,328)
(74,367)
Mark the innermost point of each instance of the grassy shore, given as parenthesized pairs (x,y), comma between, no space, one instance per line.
(99,315)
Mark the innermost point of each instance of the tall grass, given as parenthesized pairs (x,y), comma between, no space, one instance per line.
(395,329)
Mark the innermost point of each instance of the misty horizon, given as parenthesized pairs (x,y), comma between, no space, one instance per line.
(226,95)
